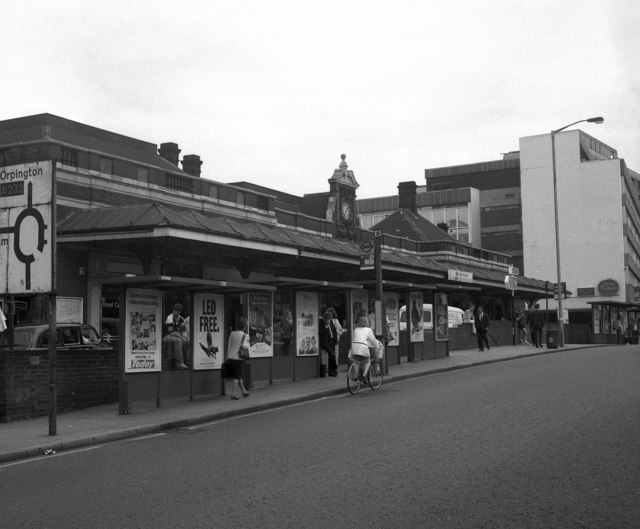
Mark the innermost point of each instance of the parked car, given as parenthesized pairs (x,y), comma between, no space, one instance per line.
(67,335)
(455,317)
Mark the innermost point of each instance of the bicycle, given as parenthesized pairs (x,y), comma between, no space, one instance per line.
(355,380)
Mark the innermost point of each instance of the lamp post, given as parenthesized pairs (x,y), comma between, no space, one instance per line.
(597,120)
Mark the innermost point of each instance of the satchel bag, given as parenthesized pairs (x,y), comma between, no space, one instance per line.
(243,352)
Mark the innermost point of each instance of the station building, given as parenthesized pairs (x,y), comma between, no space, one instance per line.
(135,234)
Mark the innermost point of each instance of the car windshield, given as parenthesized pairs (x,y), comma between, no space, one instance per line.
(21,338)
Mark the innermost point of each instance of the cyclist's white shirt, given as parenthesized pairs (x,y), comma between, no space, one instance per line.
(363,338)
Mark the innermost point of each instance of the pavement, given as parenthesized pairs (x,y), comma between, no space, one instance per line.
(101,424)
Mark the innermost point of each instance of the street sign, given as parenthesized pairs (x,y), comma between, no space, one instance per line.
(511,282)
(514,271)
(564,288)
(26,231)
(367,261)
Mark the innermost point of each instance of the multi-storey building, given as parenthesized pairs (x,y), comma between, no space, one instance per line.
(598,220)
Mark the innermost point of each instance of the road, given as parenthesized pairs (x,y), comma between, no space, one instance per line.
(542,442)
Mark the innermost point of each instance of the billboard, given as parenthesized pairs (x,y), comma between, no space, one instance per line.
(26,231)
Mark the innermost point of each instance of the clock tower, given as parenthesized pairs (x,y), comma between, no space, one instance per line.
(341,206)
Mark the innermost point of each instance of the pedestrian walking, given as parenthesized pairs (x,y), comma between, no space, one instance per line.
(537,323)
(482,328)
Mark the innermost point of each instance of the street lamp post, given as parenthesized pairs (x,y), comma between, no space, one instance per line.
(597,120)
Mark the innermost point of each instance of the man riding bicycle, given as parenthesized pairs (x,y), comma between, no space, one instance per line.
(364,341)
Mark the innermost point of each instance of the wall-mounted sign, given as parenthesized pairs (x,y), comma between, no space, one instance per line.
(459,275)
(608,287)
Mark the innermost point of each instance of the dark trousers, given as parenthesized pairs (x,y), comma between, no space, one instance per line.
(536,336)
(482,339)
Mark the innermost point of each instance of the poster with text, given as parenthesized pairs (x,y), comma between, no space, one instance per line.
(359,306)
(414,312)
(307,323)
(441,317)
(143,333)
(208,331)
(261,324)
(391,311)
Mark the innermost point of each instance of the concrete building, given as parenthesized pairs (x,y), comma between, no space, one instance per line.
(598,218)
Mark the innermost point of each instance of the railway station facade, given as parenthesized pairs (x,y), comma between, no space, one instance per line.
(135,234)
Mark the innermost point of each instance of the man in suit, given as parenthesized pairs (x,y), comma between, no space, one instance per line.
(482,328)
(536,321)
(328,338)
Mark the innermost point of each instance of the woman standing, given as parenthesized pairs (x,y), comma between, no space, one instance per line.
(238,340)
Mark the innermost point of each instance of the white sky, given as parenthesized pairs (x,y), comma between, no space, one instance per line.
(273,92)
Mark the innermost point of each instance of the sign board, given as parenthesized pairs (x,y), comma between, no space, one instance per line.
(459,275)
(26,233)
(143,333)
(441,317)
(208,331)
(367,262)
(69,310)
(514,271)
(511,282)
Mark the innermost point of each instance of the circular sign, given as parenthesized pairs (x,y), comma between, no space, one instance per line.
(366,246)
(608,287)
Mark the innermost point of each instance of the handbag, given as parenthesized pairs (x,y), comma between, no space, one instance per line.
(226,370)
(243,352)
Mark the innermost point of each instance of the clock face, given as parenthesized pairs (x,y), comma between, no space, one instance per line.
(345,208)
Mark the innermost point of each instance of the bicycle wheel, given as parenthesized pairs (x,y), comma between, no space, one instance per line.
(374,376)
(353,382)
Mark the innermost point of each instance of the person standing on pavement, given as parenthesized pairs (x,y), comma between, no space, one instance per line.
(328,338)
(521,320)
(537,323)
(339,332)
(482,328)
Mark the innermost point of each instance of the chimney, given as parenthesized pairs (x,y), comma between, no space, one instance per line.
(191,164)
(169,151)
(407,196)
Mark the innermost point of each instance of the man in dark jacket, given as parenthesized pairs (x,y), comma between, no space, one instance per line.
(482,328)
(537,323)
(328,338)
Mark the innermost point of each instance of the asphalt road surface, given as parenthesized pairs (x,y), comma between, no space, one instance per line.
(544,442)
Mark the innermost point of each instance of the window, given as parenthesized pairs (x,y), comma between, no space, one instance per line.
(106,165)
(263,203)
(69,157)
(143,174)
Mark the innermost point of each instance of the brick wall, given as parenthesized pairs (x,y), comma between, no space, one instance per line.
(85,377)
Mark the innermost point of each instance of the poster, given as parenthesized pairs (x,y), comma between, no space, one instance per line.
(416,327)
(208,331)
(144,331)
(359,306)
(391,310)
(261,324)
(441,317)
(307,323)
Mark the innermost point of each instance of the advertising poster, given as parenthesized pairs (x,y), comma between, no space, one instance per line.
(359,305)
(208,331)
(416,327)
(261,324)
(144,331)
(307,323)
(441,317)
(391,310)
